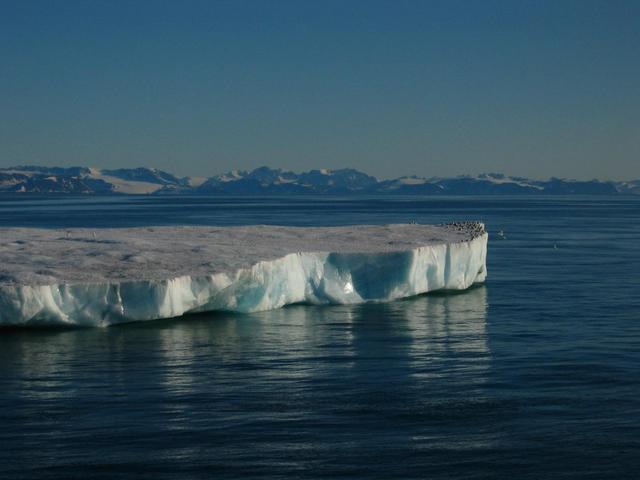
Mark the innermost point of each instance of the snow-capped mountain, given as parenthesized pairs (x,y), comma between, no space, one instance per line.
(273,181)
(85,180)
(269,181)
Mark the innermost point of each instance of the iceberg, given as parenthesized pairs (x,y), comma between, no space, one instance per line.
(108,276)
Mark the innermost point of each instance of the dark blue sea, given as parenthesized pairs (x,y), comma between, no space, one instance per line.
(533,375)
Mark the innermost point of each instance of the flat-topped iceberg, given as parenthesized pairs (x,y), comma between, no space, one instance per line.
(107,276)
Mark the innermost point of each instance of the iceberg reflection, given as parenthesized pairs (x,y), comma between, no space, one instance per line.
(418,335)
(351,369)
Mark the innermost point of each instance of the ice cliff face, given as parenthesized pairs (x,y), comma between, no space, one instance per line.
(316,278)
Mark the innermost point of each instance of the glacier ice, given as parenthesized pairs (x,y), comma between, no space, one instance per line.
(124,275)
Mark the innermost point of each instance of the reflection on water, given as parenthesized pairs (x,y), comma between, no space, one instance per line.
(299,342)
(285,383)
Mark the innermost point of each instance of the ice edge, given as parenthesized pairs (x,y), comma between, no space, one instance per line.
(315,278)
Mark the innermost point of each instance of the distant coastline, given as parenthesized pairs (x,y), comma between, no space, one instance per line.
(269,181)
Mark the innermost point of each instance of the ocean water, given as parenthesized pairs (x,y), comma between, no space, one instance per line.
(535,374)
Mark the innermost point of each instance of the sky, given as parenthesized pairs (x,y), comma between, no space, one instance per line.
(432,88)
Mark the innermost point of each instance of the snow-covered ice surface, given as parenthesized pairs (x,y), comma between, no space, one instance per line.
(107,276)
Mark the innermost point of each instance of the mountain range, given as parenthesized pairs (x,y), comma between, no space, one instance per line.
(269,181)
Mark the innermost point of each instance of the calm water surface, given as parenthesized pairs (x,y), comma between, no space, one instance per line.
(535,374)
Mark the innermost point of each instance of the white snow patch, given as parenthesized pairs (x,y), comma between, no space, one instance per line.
(505,179)
(125,186)
(196,181)
(412,181)
(281,180)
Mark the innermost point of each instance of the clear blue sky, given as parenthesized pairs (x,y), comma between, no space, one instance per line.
(533,88)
